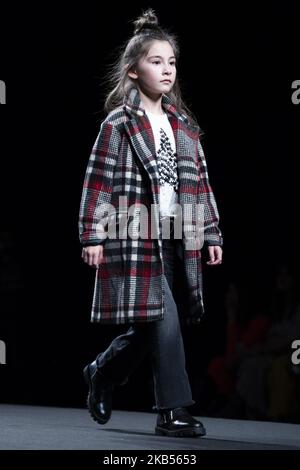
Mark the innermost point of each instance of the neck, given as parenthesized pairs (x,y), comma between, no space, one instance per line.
(152,104)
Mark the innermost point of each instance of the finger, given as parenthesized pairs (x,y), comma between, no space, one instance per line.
(218,259)
(215,256)
(90,258)
(215,262)
(211,256)
(95,260)
(100,255)
(85,256)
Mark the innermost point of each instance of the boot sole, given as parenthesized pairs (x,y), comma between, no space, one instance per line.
(87,378)
(179,433)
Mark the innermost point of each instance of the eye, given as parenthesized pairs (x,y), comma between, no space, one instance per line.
(173,63)
(156,62)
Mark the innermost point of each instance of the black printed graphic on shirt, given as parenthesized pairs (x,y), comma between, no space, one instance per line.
(167,162)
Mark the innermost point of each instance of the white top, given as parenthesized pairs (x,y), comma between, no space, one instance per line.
(166,161)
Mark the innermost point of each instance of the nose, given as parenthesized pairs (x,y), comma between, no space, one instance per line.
(167,70)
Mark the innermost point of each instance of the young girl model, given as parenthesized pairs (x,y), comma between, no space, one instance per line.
(148,154)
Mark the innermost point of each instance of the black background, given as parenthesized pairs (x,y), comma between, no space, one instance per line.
(237,66)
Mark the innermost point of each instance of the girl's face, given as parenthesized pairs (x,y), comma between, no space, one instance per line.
(156,72)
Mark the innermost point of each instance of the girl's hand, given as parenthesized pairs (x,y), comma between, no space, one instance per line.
(215,255)
(92,255)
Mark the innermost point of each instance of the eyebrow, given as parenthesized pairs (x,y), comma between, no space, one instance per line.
(160,57)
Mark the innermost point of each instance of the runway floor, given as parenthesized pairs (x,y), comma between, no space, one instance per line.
(49,428)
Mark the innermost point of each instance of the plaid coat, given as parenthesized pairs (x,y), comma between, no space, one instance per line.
(129,281)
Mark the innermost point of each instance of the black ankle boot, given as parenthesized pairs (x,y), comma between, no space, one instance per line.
(178,422)
(99,399)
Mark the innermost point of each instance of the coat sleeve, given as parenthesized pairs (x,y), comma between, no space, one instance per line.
(98,186)
(212,232)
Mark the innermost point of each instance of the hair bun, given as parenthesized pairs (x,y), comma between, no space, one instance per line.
(148,20)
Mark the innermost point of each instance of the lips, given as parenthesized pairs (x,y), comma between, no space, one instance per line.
(166,81)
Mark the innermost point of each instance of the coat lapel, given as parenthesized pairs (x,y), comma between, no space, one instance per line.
(186,138)
(141,137)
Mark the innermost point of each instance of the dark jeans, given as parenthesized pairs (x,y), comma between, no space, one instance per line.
(161,339)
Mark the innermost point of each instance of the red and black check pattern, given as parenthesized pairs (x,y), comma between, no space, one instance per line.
(123,162)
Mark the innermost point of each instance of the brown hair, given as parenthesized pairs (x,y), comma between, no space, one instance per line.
(146,30)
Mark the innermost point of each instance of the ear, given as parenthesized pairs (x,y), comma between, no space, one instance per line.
(132,74)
